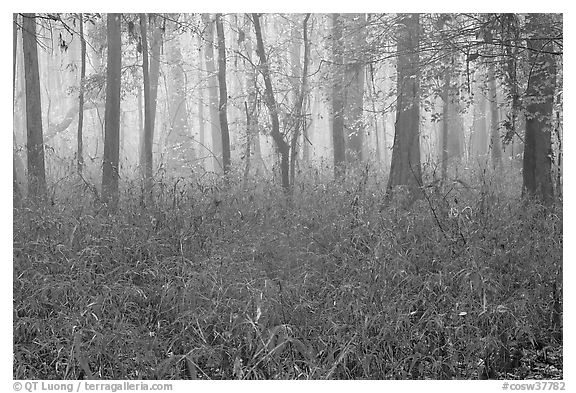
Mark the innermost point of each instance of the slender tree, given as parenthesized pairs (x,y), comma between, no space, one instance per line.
(495,143)
(252,134)
(445,119)
(179,140)
(80,154)
(338,140)
(223,116)
(281,145)
(16,188)
(148,128)
(405,167)
(212,93)
(35,139)
(355,80)
(110,162)
(301,92)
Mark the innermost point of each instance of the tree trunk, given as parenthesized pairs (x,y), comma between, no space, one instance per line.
(15,187)
(479,137)
(537,179)
(110,162)
(148,164)
(200,92)
(252,133)
(147,140)
(338,141)
(301,92)
(405,167)
(80,155)
(445,120)
(179,140)
(35,141)
(213,94)
(355,79)
(223,94)
(281,145)
(495,143)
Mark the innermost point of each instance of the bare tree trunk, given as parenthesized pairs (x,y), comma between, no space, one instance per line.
(200,92)
(281,145)
(213,93)
(179,140)
(148,164)
(80,154)
(495,143)
(223,94)
(445,120)
(35,141)
(355,79)
(300,123)
(537,179)
(17,196)
(110,163)
(405,167)
(252,133)
(479,138)
(338,141)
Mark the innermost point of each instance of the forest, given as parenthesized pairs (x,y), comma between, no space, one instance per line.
(287,196)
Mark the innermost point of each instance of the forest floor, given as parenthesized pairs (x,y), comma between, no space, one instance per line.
(338,282)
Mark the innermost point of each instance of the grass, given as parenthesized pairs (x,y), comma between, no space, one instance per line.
(241,283)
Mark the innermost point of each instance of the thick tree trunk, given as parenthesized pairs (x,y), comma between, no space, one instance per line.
(213,93)
(80,154)
(281,145)
(35,141)
(110,163)
(223,94)
(338,141)
(537,179)
(405,167)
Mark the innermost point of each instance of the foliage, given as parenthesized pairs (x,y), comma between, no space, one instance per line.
(229,283)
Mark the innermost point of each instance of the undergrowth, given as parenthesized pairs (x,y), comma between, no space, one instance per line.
(240,282)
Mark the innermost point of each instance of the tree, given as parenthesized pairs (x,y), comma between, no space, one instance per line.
(355,79)
(405,167)
(250,107)
(281,145)
(80,155)
(446,97)
(300,91)
(15,186)
(223,94)
(35,140)
(153,66)
(212,93)
(110,162)
(495,143)
(338,140)
(479,136)
(537,180)
(148,128)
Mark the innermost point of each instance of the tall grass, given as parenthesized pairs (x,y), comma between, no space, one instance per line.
(241,282)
